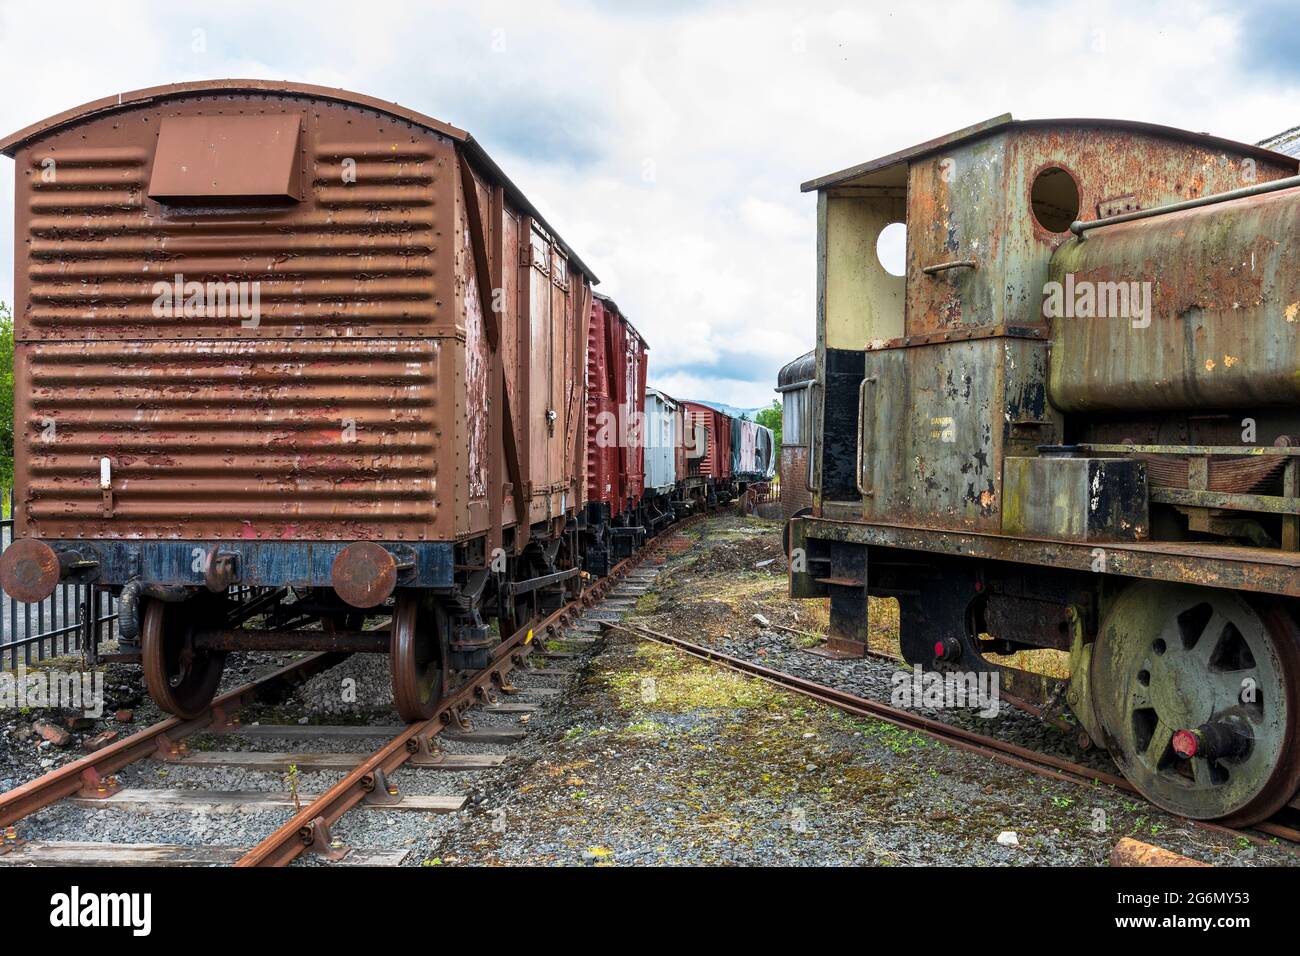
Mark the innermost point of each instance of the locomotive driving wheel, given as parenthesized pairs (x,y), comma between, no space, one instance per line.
(418,655)
(180,678)
(1196,693)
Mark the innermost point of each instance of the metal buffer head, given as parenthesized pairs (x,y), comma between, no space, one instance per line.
(364,573)
(30,569)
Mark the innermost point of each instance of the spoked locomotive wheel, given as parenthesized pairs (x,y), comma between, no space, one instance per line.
(1196,693)
(181,679)
(418,656)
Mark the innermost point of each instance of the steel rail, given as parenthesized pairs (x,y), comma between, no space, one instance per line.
(90,774)
(307,826)
(1003,751)
(957,736)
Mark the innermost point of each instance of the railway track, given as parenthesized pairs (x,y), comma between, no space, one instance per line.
(367,781)
(1003,751)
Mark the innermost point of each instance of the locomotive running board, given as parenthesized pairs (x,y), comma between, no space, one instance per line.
(1265,570)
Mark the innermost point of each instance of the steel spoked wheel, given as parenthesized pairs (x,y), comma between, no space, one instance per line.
(181,679)
(1196,693)
(418,656)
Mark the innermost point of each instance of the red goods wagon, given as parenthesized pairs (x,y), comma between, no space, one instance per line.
(616,376)
(708,458)
(289,337)
(681,450)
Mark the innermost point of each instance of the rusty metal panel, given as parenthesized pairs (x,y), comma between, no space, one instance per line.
(1220,292)
(972,204)
(936,421)
(357,257)
(1110,167)
(473,454)
(552,412)
(955,213)
(277,440)
(227,157)
(795,495)
(1083,499)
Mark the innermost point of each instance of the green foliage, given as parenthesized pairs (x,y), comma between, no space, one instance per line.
(771,418)
(6,398)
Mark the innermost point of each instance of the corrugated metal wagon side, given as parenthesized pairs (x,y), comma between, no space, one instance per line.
(280,336)
(616,374)
(708,454)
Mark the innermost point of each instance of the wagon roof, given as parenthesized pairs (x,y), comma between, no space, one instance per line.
(797,372)
(626,321)
(1287,142)
(662,394)
(10,144)
(1005,122)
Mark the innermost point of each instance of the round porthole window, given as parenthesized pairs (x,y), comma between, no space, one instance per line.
(891,248)
(1055,199)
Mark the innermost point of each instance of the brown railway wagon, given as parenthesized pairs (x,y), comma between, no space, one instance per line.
(285,336)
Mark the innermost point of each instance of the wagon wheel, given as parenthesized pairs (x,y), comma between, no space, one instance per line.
(418,654)
(1196,693)
(180,679)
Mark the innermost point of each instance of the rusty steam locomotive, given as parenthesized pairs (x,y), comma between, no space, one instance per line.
(1074,424)
(305,342)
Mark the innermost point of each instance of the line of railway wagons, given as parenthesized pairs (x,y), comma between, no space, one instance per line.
(302,340)
(650,458)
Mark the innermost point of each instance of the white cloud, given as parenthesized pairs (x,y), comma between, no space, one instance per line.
(667,145)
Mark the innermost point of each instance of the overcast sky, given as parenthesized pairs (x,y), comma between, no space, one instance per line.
(667,146)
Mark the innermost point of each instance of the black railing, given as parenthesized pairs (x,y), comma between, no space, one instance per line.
(74,618)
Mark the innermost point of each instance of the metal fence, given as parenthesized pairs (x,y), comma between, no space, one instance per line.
(74,618)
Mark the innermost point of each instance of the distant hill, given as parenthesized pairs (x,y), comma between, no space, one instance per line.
(731,410)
